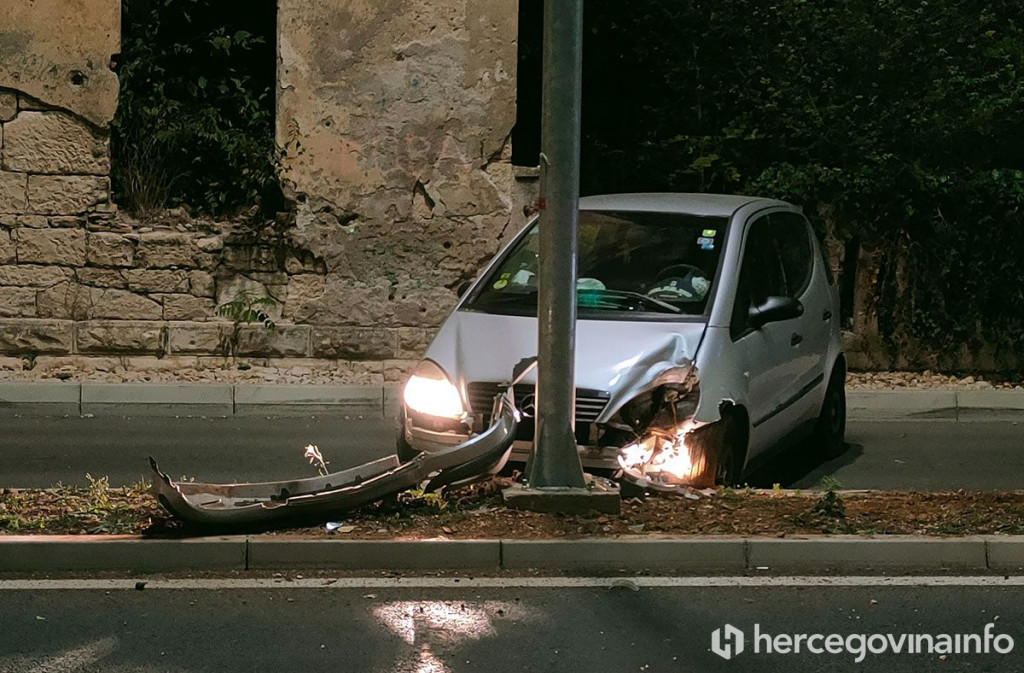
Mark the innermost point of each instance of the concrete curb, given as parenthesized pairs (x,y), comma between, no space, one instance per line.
(120,553)
(957,405)
(216,399)
(813,554)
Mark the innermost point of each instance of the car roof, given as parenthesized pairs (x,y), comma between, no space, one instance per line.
(706,205)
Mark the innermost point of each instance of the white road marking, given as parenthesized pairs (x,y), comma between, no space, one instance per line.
(69,661)
(504,583)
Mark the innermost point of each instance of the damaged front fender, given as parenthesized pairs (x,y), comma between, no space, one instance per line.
(259,503)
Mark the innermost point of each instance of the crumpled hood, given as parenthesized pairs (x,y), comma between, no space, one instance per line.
(620,357)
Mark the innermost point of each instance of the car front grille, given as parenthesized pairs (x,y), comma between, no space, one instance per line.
(589,403)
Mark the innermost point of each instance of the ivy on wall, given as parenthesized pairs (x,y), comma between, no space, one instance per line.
(195,122)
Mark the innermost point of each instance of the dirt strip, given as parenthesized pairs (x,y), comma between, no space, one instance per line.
(478,512)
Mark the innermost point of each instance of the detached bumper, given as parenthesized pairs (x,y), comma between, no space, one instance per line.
(242,504)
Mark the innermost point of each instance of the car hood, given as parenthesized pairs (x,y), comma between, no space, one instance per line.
(622,358)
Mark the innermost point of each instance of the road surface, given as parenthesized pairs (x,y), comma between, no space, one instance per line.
(39,452)
(505,629)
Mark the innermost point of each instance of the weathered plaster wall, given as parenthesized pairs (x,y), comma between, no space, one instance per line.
(394,117)
(59,51)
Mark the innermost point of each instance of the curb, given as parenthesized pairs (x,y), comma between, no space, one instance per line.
(216,399)
(679,554)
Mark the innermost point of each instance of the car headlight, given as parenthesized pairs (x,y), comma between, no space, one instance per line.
(429,392)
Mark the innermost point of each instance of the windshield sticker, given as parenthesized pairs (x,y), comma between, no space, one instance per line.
(710,233)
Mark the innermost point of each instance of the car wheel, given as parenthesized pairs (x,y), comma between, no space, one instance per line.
(830,429)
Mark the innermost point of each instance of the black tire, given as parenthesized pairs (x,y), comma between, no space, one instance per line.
(717,453)
(830,430)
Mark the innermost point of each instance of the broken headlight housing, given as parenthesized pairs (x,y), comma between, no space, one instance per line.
(430,392)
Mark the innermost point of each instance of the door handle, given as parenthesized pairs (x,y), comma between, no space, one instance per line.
(827,315)
(795,339)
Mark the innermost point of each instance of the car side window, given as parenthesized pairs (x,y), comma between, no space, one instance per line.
(795,248)
(762,274)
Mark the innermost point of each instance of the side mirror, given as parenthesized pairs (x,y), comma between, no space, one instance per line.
(464,288)
(775,309)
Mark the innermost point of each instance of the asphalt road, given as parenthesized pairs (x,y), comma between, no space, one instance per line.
(39,452)
(497,630)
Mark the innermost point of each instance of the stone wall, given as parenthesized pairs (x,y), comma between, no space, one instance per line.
(394,118)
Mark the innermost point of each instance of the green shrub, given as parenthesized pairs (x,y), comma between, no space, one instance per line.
(895,122)
(195,122)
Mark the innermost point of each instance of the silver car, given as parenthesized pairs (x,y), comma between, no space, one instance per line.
(707,337)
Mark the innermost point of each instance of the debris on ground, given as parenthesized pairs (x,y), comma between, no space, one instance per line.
(477,512)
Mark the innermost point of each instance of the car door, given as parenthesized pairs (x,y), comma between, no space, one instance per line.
(812,330)
(766,352)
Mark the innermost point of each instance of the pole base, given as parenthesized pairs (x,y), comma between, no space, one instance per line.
(600,495)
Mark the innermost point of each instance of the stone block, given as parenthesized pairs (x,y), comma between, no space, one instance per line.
(201,338)
(100,278)
(201,284)
(68,222)
(398,370)
(17,302)
(51,337)
(413,341)
(28,275)
(210,244)
(119,336)
(32,221)
(79,302)
(64,300)
(52,246)
(187,307)
(13,192)
(66,194)
(55,143)
(354,343)
(8,106)
(121,304)
(106,249)
(149,280)
(281,341)
(303,291)
(8,250)
(162,249)
(229,289)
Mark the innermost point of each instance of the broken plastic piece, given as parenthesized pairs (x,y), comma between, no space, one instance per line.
(243,504)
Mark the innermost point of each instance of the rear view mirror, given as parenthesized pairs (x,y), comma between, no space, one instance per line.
(775,309)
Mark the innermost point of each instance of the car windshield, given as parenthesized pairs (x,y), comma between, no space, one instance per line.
(629,262)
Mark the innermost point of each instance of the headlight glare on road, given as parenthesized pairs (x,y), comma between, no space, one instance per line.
(429,392)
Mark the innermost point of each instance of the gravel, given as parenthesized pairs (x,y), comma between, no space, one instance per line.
(342,372)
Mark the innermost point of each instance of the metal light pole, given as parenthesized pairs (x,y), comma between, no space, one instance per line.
(556,460)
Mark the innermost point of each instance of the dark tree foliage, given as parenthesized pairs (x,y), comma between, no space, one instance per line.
(896,121)
(195,123)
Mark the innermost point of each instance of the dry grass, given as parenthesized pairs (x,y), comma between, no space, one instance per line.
(478,512)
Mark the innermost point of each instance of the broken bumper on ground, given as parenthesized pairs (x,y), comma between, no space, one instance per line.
(242,504)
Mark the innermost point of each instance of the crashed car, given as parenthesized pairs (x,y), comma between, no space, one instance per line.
(707,338)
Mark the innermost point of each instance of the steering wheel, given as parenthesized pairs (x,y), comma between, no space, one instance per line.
(672,271)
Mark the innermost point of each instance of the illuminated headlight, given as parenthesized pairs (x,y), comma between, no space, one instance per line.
(429,392)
